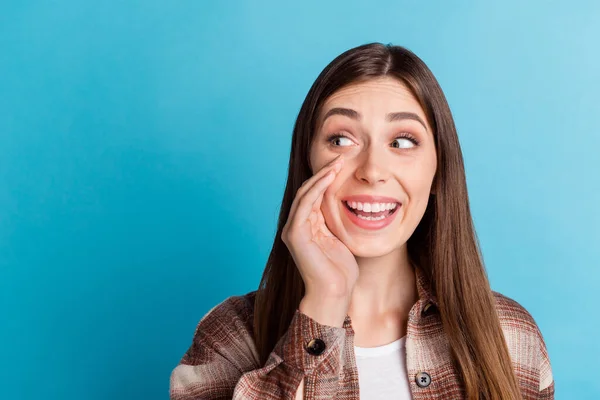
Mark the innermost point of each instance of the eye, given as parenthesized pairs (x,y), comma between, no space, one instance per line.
(405,141)
(338,140)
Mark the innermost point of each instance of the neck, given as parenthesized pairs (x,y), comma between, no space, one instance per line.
(385,285)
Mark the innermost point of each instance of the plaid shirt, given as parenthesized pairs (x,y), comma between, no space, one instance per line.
(222,361)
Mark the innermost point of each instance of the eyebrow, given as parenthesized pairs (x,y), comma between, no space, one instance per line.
(394,116)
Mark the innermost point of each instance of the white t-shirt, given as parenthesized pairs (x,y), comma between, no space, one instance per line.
(382,371)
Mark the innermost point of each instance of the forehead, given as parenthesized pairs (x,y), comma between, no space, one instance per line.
(375,96)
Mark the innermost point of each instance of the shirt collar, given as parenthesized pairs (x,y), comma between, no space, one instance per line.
(424,287)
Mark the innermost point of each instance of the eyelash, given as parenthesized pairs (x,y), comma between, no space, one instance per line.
(408,136)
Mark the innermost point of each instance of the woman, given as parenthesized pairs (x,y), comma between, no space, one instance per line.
(375,287)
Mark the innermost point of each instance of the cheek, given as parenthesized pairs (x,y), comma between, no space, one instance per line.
(419,179)
(419,197)
(319,157)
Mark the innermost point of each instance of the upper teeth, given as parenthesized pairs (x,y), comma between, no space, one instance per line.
(371,207)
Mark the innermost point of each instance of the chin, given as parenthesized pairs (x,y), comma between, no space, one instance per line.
(370,247)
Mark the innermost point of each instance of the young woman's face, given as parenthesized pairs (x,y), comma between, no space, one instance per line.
(389,165)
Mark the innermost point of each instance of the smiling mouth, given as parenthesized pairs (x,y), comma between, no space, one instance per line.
(370,212)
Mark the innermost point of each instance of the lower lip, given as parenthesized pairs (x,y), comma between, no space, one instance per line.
(371,225)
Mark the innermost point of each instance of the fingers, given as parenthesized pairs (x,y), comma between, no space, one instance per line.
(309,183)
(307,202)
(312,187)
(323,229)
(317,204)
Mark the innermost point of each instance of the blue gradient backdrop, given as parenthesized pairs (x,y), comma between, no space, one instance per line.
(144,147)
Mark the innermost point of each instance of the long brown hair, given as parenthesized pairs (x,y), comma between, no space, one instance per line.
(444,244)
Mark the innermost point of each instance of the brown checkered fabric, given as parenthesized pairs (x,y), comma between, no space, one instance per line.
(222,361)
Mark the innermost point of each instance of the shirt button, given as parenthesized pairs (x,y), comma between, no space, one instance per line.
(315,347)
(423,379)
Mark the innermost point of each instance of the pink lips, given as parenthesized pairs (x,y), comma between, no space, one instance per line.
(366,224)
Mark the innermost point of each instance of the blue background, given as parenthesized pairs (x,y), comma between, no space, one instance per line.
(144,148)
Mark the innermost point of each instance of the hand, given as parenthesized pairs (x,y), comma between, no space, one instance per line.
(328,268)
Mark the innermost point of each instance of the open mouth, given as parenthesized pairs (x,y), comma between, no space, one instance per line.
(371,211)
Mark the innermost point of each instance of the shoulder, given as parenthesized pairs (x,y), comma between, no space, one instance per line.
(520,329)
(229,320)
(232,313)
(511,312)
(227,328)
(524,340)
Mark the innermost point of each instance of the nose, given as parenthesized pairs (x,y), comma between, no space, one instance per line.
(372,168)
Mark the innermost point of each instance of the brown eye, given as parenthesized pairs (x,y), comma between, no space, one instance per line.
(405,142)
(338,140)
